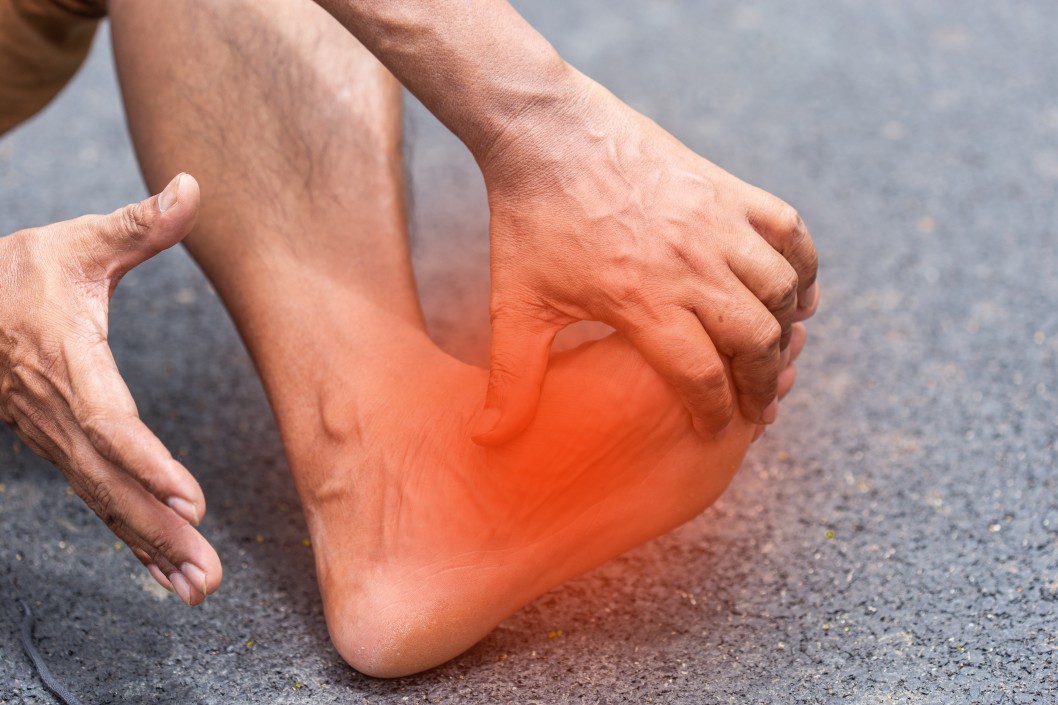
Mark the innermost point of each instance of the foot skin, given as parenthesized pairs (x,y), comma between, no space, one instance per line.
(425,541)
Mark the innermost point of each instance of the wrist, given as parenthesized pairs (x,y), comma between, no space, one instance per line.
(582,124)
(537,116)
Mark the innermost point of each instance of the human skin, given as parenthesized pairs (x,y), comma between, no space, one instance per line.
(61,392)
(545,241)
(599,214)
(423,539)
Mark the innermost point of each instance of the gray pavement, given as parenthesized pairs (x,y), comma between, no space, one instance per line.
(893,539)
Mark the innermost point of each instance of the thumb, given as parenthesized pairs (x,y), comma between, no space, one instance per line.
(132,235)
(521,345)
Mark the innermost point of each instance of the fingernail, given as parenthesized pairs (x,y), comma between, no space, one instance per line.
(809,297)
(195,575)
(169,197)
(487,421)
(159,576)
(184,509)
(182,587)
(771,411)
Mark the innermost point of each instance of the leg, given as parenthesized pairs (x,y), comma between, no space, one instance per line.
(423,540)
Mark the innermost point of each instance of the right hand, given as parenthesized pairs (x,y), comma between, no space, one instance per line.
(61,392)
(599,214)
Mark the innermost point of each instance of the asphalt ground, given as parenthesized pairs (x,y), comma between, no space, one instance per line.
(892,539)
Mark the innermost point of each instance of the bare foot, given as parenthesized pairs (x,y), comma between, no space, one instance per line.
(425,541)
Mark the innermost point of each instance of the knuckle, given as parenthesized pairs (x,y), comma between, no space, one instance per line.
(163,541)
(769,336)
(783,293)
(626,290)
(99,426)
(501,308)
(105,502)
(135,219)
(802,251)
(34,416)
(788,220)
(508,309)
(502,373)
(720,412)
(810,264)
(85,223)
(707,376)
(761,342)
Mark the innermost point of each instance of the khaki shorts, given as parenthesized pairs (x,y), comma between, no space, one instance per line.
(42,44)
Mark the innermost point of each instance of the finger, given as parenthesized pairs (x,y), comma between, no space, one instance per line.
(786,381)
(33,445)
(127,508)
(40,431)
(681,352)
(186,579)
(159,568)
(106,412)
(131,235)
(782,227)
(124,505)
(141,550)
(759,433)
(521,345)
(809,310)
(770,278)
(798,333)
(798,337)
(746,332)
(152,568)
